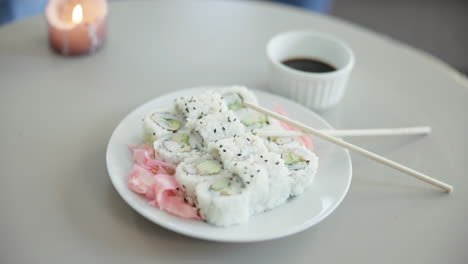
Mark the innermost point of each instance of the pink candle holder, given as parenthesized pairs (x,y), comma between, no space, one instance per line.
(76,26)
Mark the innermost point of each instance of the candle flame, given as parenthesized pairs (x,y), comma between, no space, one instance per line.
(77,15)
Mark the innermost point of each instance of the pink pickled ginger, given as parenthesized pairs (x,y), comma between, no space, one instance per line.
(154,180)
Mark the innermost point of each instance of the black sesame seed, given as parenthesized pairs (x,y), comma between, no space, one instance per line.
(251,176)
(267,122)
(194,108)
(154,134)
(248,139)
(235,164)
(239,154)
(277,163)
(248,182)
(258,170)
(266,160)
(224,150)
(186,109)
(220,146)
(224,129)
(261,156)
(307,161)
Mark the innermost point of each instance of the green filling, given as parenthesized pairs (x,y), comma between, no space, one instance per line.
(234,101)
(255,119)
(181,138)
(290,158)
(235,106)
(172,125)
(220,185)
(208,167)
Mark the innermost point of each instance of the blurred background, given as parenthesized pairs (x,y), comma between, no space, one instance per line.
(438,27)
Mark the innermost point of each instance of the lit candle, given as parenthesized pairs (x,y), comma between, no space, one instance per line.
(76,26)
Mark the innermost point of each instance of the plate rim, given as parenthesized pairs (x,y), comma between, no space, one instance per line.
(296,229)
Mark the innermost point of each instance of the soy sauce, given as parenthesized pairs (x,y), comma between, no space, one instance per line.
(308,65)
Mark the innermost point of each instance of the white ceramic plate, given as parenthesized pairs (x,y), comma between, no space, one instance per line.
(317,202)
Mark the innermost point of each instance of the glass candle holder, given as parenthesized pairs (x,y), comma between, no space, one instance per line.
(76,26)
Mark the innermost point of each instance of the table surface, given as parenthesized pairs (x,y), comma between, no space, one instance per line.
(57,203)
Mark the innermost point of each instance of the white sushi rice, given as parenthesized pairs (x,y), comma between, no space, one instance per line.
(223,209)
(191,172)
(277,144)
(279,181)
(224,168)
(301,172)
(161,122)
(255,179)
(234,96)
(238,148)
(196,106)
(176,147)
(217,126)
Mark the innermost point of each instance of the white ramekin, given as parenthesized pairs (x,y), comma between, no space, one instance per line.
(316,90)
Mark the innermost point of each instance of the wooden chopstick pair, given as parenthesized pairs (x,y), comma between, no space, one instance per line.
(349,132)
(337,141)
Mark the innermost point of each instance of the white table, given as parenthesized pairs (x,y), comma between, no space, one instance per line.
(57,203)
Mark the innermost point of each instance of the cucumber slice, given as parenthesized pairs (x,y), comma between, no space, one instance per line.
(282,140)
(208,167)
(255,119)
(178,143)
(290,158)
(233,100)
(235,106)
(172,125)
(220,185)
(180,138)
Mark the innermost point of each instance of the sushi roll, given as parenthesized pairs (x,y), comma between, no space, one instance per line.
(255,179)
(235,97)
(176,147)
(193,171)
(159,123)
(217,126)
(237,148)
(279,182)
(197,106)
(277,144)
(252,119)
(302,165)
(223,201)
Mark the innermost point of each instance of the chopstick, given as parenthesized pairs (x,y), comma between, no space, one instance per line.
(392,164)
(404,131)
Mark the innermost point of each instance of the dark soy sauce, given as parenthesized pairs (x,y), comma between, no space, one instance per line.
(308,65)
